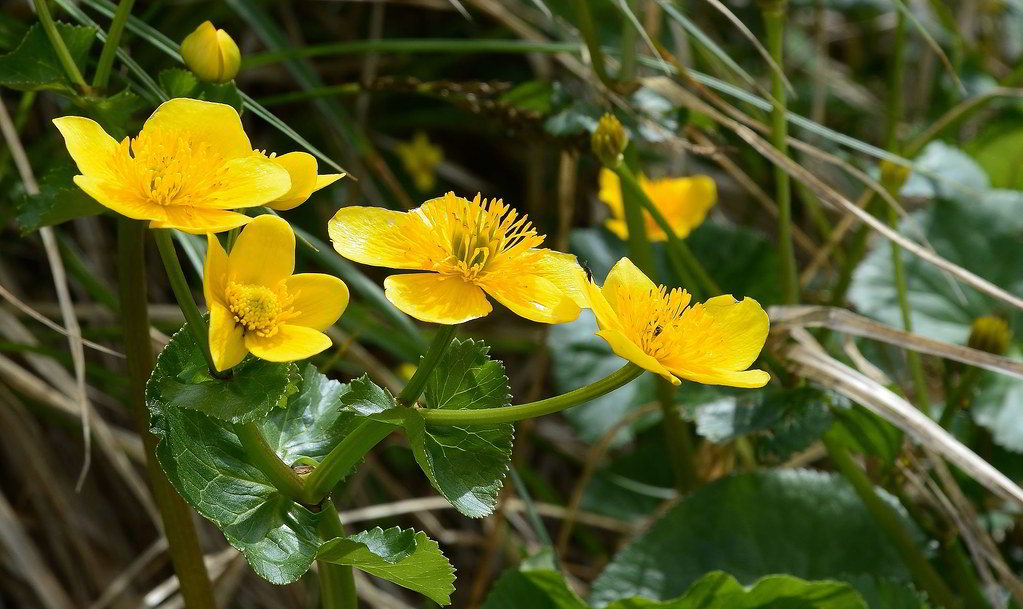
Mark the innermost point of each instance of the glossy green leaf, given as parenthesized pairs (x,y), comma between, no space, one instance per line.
(402,556)
(313,421)
(365,398)
(803,523)
(181,379)
(115,111)
(34,66)
(545,589)
(59,200)
(465,464)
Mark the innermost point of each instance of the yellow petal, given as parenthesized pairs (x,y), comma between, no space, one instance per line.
(89,145)
(748,379)
(370,235)
(741,329)
(319,299)
(301,166)
(606,316)
(611,192)
(629,350)
(203,122)
(326,179)
(123,201)
(684,202)
(617,227)
(199,220)
(626,278)
(214,274)
(201,53)
(227,342)
(435,298)
(264,253)
(230,56)
(289,344)
(562,270)
(532,296)
(249,181)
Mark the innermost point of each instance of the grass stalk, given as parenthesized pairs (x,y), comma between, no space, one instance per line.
(59,47)
(337,582)
(105,64)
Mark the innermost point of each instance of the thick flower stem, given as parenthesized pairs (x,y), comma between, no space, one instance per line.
(183,294)
(106,58)
(183,543)
(337,582)
(59,47)
(343,458)
(774,22)
(417,383)
(509,414)
(922,571)
(263,457)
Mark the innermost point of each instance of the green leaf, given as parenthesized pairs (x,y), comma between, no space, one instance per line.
(206,464)
(59,200)
(407,558)
(34,66)
(635,482)
(312,423)
(465,464)
(367,399)
(545,589)
(807,524)
(178,82)
(115,111)
(181,379)
(784,421)
(1000,151)
(865,432)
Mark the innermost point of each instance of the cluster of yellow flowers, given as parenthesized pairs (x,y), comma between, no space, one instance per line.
(192,166)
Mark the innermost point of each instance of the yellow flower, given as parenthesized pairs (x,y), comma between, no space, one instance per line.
(301,167)
(684,203)
(211,54)
(468,247)
(711,343)
(189,166)
(421,159)
(257,305)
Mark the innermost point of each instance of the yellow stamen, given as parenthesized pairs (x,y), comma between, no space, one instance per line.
(164,168)
(654,320)
(258,308)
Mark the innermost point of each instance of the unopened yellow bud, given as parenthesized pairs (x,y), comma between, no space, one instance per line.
(894,175)
(211,54)
(609,140)
(990,334)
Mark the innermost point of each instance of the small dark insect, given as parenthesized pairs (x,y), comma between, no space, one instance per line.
(658,330)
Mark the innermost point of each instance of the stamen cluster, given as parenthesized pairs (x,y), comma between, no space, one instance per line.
(259,309)
(167,169)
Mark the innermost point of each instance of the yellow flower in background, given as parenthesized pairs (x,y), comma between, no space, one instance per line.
(469,249)
(711,343)
(189,166)
(257,305)
(421,159)
(211,54)
(684,203)
(302,168)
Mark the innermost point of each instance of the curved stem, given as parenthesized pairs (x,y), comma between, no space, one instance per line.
(59,47)
(183,294)
(337,583)
(106,58)
(508,414)
(182,540)
(417,383)
(263,457)
(343,458)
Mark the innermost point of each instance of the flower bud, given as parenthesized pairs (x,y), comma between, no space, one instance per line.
(609,140)
(894,175)
(990,334)
(211,54)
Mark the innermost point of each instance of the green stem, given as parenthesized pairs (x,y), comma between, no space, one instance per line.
(106,58)
(640,251)
(774,21)
(183,294)
(264,457)
(956,399)
(509,414)
(417,383)
(887,518)
(693,268)
(59,47)
(182,540)
(680,445)
(343,458)
(337,582)
(588,29)
(627,71)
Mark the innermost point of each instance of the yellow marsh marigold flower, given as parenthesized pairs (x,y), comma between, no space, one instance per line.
(684,203)
(711,343)
(211,54)
(189,166)
(258,306)
(421,159)
(468,248)
(302,168)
